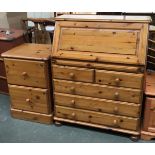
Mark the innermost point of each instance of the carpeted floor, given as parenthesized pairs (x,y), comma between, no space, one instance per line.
(19,131)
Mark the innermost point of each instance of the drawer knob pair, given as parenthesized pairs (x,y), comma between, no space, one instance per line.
(72,75)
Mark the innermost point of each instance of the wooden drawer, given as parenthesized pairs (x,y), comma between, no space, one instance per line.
(97,118)
(99,105)
(30,99)
(3,86)
(73,73)
(2,68)
(98,91)
(27,73)
(119,79)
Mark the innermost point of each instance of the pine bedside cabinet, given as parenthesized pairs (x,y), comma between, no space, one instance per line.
(98,65)
(28,69)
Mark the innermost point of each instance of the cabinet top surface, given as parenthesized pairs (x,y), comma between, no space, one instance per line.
(29,51)
(111,18)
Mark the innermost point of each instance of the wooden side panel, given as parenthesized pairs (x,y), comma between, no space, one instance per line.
(97,118)
(73,73)
(31,116)
(99,105)
(99,40)
(27,73)
(30,99)
(120,79)
(98,91)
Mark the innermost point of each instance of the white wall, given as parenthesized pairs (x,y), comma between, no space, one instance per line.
(3,20)
(40,14)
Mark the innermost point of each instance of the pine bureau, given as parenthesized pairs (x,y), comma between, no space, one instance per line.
(28,69)
(98,65)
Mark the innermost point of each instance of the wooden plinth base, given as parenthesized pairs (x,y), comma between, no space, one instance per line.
(32,116)
(147,135)
(134,134)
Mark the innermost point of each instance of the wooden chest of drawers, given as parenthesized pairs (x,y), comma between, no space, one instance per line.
(98,70)
(28,70)
(8,41)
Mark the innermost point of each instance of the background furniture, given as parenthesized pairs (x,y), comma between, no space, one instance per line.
(42,30)
(28,74)
(98,71)
(9,38)
(151,49)
(148,130)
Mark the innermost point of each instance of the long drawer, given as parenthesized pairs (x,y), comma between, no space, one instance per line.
(30,99)
(98,91)
(99,105)
(97,118)
(73,73)
(119,79)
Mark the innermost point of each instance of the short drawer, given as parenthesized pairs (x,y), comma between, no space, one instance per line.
(73,73)
(27,73)
(2,68)
(99,105)
(97,118)
(30,99)
(119,79)
(98,91)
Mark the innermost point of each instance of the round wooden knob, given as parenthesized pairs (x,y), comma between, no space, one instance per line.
(73,102)
(72,75)
(73,114)
(117,81)
(116,95)
(24,74)
(28,100)
(115,122)
(115,109)
(72,89)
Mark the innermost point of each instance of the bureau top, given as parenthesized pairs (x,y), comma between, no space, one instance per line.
(111,18)
(29,51)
